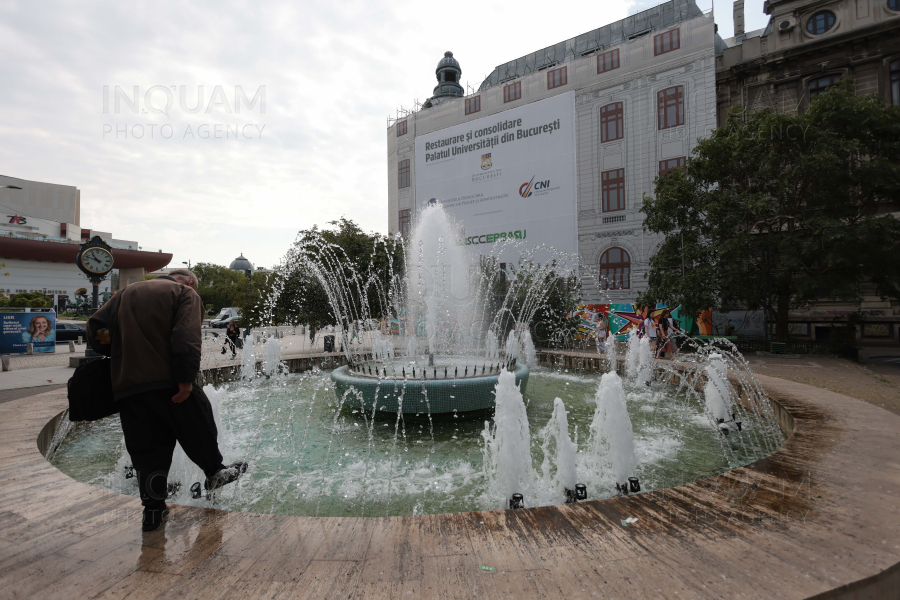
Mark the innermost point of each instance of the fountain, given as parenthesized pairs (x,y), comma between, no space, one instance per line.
(444,293)
(348,441)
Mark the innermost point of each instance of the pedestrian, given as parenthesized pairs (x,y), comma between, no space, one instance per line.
(312,335)
(650,330)
(155,360)
(600,334)
(673,333)
(231,335)
(355,335)
(663,335)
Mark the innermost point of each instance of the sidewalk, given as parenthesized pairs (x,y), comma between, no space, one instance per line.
(877,384)
(39,376)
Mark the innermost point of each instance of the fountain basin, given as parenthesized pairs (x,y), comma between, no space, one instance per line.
(418,395)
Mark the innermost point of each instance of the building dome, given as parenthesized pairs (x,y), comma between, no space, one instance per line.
(448,61)
(241,264)
(447,73)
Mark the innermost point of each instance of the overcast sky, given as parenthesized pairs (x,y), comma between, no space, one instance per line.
(154,171)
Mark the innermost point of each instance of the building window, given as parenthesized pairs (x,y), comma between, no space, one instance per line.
(608,61)
(612,122)
(822,84)
(894,5)
(666,42)
(613,190)
(670,102)
(667,166)
(403,174)
(895,81)
(512,91)
(401,127)
(820,22)
(473,105)
(556,78)
(404,222)
(615,270)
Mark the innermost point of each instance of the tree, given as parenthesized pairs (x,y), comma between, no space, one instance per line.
(220,286)
(777,211)
(364,262)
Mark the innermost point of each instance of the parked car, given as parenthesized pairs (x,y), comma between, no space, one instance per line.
(66,332)
(226,315)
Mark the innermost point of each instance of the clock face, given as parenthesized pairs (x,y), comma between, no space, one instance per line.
(97,260)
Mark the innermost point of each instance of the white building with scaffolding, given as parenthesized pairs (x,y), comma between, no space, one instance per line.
(637,94)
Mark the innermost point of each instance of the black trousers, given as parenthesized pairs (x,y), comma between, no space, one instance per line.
(152,423)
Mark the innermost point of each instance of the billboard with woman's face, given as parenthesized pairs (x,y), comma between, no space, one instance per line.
(21,329)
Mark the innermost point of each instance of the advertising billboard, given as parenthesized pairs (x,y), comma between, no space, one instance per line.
(507,175)
(21,328)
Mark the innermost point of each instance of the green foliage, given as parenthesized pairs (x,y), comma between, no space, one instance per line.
(296,296)
(220,287)
(28,299)
(541,297)
(776,211)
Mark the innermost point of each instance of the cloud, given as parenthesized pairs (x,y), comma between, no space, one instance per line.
(332,73)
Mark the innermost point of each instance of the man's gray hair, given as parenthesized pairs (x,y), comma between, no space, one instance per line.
(185,273)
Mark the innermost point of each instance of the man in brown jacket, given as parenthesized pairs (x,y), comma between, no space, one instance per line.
(155,360)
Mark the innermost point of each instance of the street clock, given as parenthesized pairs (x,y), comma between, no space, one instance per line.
(95,259)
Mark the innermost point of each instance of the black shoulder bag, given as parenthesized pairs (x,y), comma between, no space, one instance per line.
(90,387)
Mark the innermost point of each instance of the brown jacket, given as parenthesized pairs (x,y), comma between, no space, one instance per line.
(158,340)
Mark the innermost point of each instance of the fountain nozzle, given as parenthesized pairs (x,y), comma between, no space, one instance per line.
(195,490)
(580,491)
(634,484)
(129,472)
(517,501)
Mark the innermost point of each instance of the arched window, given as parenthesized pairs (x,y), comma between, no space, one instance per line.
(612,122)
(894,5)
(615,270)
(822,84)
(820,22)
(670,103)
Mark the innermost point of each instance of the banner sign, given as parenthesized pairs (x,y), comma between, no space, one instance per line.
(21,328)
(510,175)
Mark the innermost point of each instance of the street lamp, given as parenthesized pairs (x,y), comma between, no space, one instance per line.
(188,263)
(11,187)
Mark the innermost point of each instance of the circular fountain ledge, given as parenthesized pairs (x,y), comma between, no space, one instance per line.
(817,518)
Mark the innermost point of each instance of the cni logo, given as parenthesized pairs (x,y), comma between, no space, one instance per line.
(525,190)
(486,161)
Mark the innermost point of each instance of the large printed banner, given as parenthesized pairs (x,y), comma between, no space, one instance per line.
(508,175)
(21,328)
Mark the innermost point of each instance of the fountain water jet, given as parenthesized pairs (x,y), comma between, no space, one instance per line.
(558,472)
(507,444)
(610,456)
